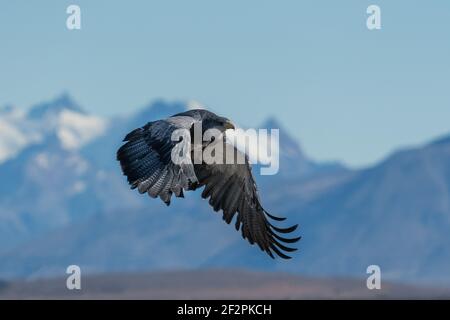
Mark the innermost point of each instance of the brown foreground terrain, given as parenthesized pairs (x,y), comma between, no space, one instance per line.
(213,284)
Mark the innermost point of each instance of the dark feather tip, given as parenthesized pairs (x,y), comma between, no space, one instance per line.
(274,217)
(284,230)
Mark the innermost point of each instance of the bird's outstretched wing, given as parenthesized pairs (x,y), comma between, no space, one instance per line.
(145,159)
(232,189)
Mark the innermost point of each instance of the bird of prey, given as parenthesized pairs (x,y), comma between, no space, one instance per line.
(146,161)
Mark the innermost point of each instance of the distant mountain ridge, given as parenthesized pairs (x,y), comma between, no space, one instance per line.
(62,205)
(60,103)
(61,117)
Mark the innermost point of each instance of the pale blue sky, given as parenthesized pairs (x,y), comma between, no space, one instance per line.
(346,92)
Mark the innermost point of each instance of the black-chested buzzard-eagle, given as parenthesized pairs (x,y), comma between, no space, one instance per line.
(145,159)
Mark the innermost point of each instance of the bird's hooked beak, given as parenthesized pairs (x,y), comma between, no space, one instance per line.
(228,125)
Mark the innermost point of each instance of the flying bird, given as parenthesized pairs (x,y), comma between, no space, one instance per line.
(146,161)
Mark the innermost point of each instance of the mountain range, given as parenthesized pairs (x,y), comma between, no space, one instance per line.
(64,201)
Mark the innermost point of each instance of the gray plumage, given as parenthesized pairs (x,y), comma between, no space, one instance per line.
(145,159)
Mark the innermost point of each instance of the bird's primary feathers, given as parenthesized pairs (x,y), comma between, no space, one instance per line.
(146,160)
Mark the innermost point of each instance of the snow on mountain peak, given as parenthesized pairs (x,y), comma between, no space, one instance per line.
(61,118)
(12,140)
(76,129)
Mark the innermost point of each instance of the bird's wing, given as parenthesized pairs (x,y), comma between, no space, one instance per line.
(231,188)
(145,159)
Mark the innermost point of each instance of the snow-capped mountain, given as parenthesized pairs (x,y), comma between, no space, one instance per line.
(61,117)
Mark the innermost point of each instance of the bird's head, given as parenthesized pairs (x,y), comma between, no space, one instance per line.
(226,124)
(214,121)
